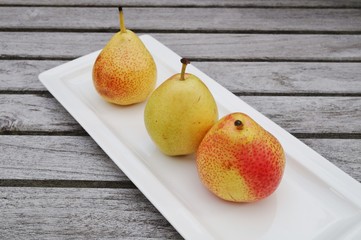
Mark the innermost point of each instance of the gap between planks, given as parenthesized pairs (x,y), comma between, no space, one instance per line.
(203,31)
(265,59)
(329,135)
(66,183)
(129,5)
(45,93)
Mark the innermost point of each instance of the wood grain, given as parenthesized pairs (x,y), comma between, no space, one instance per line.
(34,113)
(63,213)
(183,19)
(190,3)
(317,115)
(256,47)
(239,77)
(344,153)
(78,158)
(56,158)
(22,75)
(220,47)
(285,77)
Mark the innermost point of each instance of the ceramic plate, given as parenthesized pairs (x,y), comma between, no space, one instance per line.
(315,200)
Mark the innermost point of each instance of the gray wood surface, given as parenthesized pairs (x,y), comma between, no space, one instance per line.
(22,75)
(78,158)
(297,62)
(298,115)
(215,47)
(56,158)
(293,78)
(22,113)
(344,153)
(172,19)
(80,213)
(302,78)
(191,3)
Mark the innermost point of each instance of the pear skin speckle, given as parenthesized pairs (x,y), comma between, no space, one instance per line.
(124,72)
(240,165)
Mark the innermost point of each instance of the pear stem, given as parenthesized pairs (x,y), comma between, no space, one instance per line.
(238,123)
(184,62)
(121,20)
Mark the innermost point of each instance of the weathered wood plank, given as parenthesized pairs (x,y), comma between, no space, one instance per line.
(317,115)
(60,213)
(265,46)
(239,77)
(56,158)
(22,75)
(344,153)
(285,77)
(34,113)
(249,47)
(79,158)
(311,114)
(213,3)
(173,19)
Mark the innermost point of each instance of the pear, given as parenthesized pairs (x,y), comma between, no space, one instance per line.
(124,72)
(179,113)
(240,161)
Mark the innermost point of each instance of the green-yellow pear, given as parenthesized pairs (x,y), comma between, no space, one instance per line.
(179,113)
(124,72)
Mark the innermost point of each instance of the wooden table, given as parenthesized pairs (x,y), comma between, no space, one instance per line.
(297,62)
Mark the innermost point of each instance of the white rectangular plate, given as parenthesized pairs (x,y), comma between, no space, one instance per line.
(315,200)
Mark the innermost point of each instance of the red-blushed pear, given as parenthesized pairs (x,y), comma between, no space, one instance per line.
(124,72)
(179,113)
(240,161)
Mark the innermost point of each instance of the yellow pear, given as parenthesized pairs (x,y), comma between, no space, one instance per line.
(179,113)
(124,72)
